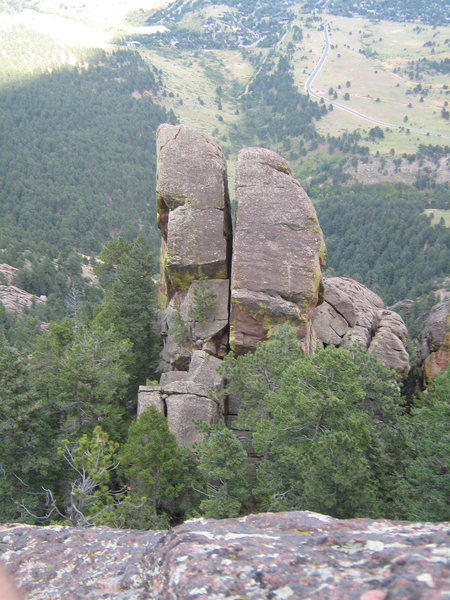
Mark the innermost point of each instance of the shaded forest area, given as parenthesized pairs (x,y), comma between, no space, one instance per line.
(77,156)
(77,168)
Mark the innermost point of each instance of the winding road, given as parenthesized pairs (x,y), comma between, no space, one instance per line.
(309,89)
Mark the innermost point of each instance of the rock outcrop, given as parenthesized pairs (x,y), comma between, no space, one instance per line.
(279,556)
(351,313)
(274,259)
(195,222)
(193,207)
(184,397)
(434,342)
(8,274)
(278,252)
(16,300)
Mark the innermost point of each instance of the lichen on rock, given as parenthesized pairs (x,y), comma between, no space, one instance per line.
(278,251)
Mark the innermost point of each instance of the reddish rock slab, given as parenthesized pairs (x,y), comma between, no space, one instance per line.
(16,300)
(352,313)
(297,555)
(434,342)
(52,563)
(193,207)
(278,251)
(303,555)
(8,274)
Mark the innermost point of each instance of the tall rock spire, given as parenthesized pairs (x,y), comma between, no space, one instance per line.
(276,277)
(278,252)
(193,207)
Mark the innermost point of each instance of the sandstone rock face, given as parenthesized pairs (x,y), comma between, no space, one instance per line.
(278,250)
(209,334)
(184,396)
(279,556)
(351,313)
(193,207)
(195,222)
(276,260)
(16,300)
(183,410)
(150,395)
(434,342)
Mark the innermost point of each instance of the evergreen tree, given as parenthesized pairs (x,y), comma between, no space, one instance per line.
(82,374)
(222,462)
(88,499)
(27,445)
(156,469)
(252,376)
(324,425)
(130,302)
(426,482)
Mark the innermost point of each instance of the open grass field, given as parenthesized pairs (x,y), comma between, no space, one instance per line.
(193,79)
(105,14)
(91,24)
(438,214)
(370,62)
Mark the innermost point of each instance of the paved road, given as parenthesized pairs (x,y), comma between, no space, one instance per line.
(309,89)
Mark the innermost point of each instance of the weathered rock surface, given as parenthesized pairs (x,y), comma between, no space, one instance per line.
(434,342)
(150,395)
(193,207)
(210,334)
(351,313)
(195,222)
(183,396)
(274,556)
(8,274)
(183,410)
(276,277)
(278,250)
(16,300)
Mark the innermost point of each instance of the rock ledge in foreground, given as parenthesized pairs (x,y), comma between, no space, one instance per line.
(274,556)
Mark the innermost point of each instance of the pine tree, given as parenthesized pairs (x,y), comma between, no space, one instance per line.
(325,426)
(27,438)
(222,462)
(426,483)
(156,470)
(83,375)
(88,499)
(130,305)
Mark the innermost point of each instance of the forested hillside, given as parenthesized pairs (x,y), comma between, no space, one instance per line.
(77,165)
(330,430)
(380,235)
(77,154)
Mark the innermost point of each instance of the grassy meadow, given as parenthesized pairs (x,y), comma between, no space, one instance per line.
(369,61)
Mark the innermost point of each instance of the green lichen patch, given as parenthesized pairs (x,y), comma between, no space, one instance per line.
(221,273)
(179,281)
(283,169)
